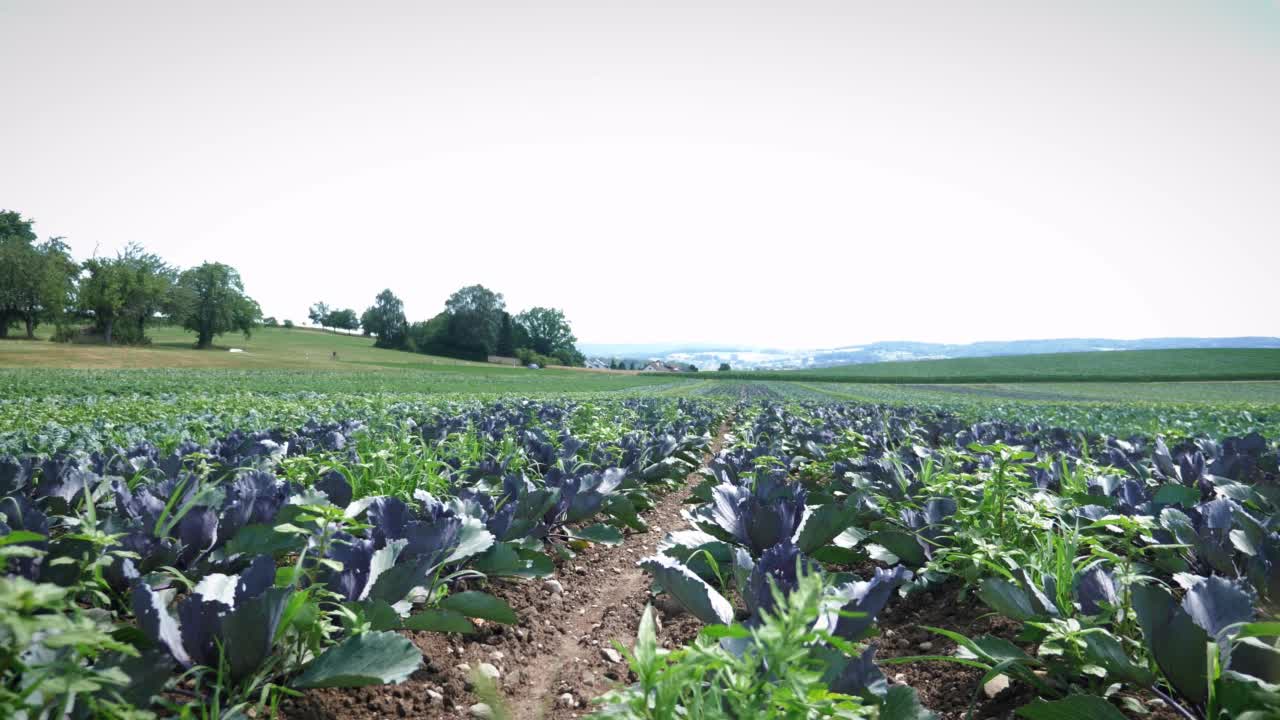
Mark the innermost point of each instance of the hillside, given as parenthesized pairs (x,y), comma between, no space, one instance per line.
(275,360)
(171,347)
(1121,366)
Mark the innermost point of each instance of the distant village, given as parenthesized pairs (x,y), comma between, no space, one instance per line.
(642,366)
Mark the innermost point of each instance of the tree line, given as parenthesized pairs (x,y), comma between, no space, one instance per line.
(120,297)
(474,325)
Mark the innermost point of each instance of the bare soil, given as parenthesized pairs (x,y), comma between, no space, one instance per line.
(557,649)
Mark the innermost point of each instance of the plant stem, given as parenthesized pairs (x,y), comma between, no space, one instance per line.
(1173,704)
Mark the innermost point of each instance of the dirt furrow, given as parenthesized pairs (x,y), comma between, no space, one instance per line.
(610,594)
(554,661)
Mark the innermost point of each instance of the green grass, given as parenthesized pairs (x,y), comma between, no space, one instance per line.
(267,348)
(276,360)
(1122,366)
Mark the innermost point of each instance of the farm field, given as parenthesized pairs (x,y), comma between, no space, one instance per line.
(1214,408)
(470,541)
(1126,366)
(640,361)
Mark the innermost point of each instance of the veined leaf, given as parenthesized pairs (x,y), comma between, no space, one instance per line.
(375,658)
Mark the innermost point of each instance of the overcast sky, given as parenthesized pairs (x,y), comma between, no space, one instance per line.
(790,173)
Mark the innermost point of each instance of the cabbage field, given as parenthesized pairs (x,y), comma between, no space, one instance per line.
(176,546)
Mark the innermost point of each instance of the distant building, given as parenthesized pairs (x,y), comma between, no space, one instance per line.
(663,366)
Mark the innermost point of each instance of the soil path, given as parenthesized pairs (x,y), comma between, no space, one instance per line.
(555,660)
(610,593)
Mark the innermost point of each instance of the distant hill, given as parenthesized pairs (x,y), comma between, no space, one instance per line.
(764,358)
(1121,366)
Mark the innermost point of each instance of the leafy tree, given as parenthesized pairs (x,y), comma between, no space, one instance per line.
(102,293)
(16,261)
(57,284)
(148,284)
(724,367)
(288,324)
(319,314)
(549,332)
(344,319)
(209,300)
(37,282)
(385,319)
(569,356)
(475,319)
(131,287)
(270,321)
(507,336)
(430,337)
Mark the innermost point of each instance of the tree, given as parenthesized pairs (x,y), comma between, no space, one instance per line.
(319,314)
(18,267)
(270,321)
(209,300)
(569,356)
(288,324)
(431,337)
(724,367)
(385,319)
(133,286)
(55,285)
(475,319)
(507,336)
(344,319)
(102,294)
(549,332)
(148,284)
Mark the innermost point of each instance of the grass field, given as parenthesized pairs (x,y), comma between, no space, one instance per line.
(279,361)
(171,347)
(1124,366)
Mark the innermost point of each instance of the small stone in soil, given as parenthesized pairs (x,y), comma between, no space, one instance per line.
(996,685)
(481,710)
(926,645)
(489,671)
(554,586)
(611,655)
(566,701)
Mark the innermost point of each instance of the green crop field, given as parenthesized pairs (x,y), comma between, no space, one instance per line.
(1213,408)
(1122,366)
(292,452)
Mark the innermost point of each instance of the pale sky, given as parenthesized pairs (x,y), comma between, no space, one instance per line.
(789,173)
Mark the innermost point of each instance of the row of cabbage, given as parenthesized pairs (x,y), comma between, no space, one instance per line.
(1141,572)
(232,574)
